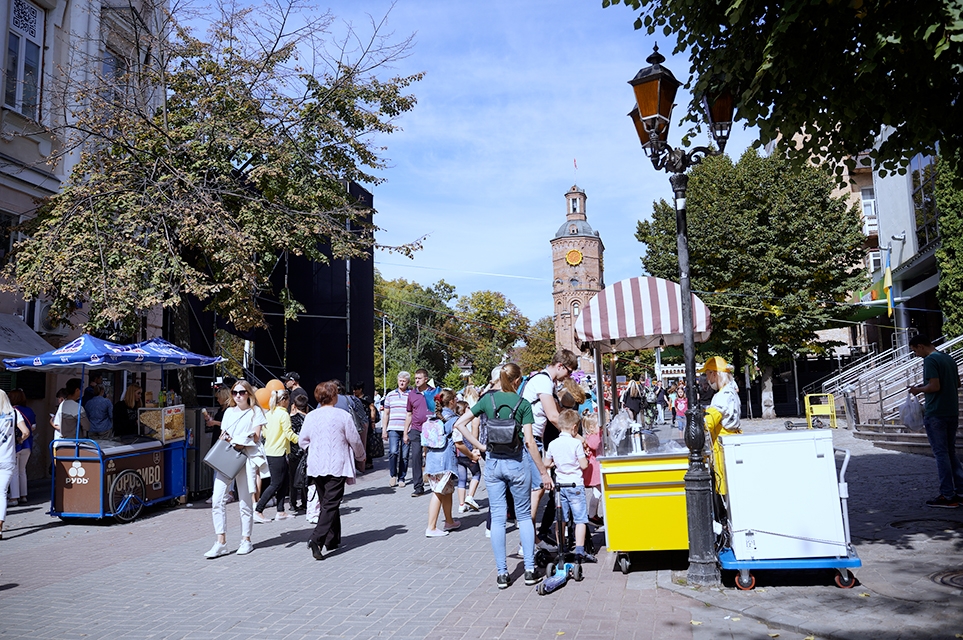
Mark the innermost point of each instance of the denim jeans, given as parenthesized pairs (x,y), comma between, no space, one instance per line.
(397,455)
(941,432)
(502,477)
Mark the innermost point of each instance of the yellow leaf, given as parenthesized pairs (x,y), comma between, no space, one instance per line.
(736,619)
(810,638)
(864,595)
(694,622)
(560,633)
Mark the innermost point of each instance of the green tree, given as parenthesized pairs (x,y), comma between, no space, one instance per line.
(838,71)
(488,325)
(415,322)
(773,253)
(539,346)
(206,158)
(949,257)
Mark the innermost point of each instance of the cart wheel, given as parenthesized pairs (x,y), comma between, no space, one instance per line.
(845,580)
(789,425)
(577,573)
(745,582)
(624,564)
(550,570)
(128,493)
(818,424)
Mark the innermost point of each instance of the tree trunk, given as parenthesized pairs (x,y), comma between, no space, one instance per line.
(768,404)
(182,338)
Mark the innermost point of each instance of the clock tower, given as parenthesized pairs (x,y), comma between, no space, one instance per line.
(577,270)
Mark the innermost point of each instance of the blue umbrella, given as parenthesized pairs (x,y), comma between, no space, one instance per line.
(88,351)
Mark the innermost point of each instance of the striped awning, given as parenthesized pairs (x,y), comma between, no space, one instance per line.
(639,313)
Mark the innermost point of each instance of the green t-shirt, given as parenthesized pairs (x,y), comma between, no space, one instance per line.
(504,401)
(946,401)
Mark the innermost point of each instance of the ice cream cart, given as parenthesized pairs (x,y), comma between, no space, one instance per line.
(642,486)
(118,478)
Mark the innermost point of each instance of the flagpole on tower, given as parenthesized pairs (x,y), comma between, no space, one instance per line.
(575,171)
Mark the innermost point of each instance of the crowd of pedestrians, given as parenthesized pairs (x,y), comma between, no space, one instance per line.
(515,431)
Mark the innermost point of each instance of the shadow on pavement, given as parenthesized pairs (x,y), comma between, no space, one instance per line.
(370,491)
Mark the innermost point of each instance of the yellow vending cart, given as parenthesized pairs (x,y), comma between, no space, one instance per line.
(643,488)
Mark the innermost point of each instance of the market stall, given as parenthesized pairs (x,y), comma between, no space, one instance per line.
(642,472)
(118,478)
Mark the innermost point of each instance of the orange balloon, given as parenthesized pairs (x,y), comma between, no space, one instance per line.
(263,398)
(274,385)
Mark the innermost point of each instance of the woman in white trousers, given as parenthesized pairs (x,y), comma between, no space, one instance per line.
(10,422)
(241,427)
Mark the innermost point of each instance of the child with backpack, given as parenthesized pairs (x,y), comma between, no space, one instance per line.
(440,463)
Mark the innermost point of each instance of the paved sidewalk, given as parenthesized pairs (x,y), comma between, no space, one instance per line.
(906,549)
(148,579)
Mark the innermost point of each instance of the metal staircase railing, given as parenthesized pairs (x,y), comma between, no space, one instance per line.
(869,362)
(877,391)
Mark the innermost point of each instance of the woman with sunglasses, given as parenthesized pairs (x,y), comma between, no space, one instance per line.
(241,427)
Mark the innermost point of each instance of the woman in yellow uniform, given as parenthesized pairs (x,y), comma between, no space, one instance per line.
(722,414)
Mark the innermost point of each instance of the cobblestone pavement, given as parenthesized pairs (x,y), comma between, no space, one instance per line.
(148,579)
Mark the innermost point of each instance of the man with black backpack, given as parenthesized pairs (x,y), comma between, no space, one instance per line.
(539,391)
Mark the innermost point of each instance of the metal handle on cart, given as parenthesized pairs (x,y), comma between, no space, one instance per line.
(844,493)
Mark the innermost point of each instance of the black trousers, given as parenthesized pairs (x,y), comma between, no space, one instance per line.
(330,493)
(278,465)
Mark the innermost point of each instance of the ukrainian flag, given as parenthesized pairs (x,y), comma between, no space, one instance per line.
(888,287)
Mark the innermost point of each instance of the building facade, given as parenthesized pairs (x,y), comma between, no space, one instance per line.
(54,50)
(577,268)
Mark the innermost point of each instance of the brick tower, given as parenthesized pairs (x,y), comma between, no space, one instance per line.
(577,270)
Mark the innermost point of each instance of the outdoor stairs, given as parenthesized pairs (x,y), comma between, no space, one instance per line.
(899,438)
(870,391)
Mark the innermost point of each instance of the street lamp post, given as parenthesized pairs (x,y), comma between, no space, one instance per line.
(655,88)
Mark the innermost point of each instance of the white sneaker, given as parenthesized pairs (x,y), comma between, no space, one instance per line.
(471,504)
(521,551)
(245,548)
(312,521)
(217,550)
(462,508)
(259,519)
(435,533)
(209,501)
(488,533)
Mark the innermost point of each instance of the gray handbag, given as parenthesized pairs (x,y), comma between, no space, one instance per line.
(225,459)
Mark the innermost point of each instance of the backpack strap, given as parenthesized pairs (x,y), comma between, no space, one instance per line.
(515,408)
(538,398)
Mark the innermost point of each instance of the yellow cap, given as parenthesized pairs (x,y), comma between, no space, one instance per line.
(715,363)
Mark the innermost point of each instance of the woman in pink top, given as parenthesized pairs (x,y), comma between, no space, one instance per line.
(334,452)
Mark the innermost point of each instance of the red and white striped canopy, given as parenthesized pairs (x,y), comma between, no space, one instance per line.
(639,313)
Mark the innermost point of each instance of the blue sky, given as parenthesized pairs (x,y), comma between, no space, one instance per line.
(513,92)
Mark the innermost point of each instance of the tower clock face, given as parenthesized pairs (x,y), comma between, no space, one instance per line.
(573,257)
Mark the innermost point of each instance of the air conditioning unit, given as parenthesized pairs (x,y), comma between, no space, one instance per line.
(38,315)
